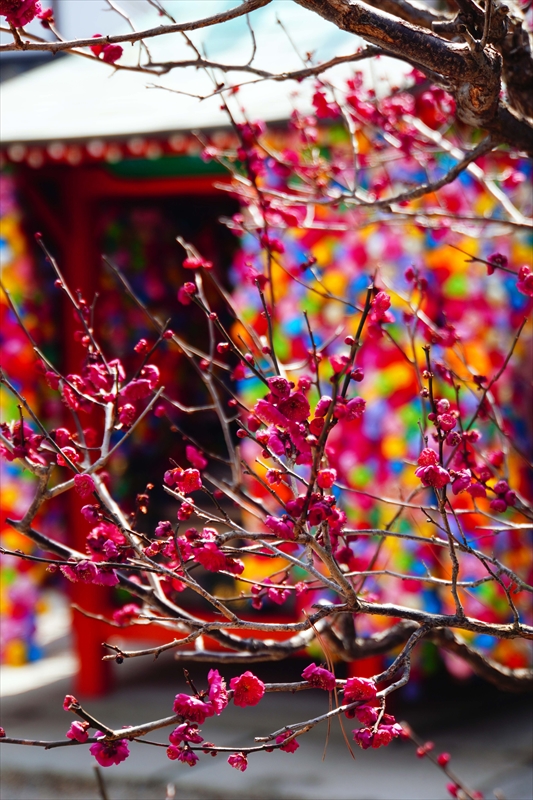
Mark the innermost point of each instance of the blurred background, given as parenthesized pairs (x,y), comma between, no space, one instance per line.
(101,164)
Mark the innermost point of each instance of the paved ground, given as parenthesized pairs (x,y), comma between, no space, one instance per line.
(489,735)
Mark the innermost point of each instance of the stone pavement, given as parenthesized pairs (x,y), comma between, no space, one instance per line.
(489,735)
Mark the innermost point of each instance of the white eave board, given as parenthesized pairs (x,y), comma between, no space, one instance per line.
(74,98)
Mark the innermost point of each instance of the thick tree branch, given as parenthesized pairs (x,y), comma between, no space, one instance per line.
(395,35)
(505,678)
(343,642)
(472,73)
(410,11)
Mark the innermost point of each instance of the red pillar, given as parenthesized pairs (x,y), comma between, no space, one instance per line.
(80,267)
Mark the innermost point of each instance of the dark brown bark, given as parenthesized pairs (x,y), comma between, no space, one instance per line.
(506,679)
(471,72)
(518,68)
(345,645)
(413,12)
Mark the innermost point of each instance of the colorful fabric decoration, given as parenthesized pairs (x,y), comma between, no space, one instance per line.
(20,581)
(422,262)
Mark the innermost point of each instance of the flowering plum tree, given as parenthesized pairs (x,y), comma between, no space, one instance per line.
(372,468)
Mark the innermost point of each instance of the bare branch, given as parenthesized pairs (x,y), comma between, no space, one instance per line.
(217,19)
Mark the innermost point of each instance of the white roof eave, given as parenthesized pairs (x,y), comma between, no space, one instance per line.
(73,98)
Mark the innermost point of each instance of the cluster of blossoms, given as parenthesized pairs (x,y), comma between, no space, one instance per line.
(379,314)
(201,547)
(379,728)
(291,430)
(99,382)
(465,470)
(21,12)
(246,690)
(89,572)
(505,497)
(320,508)
(443,759)
(106,751)
(25,443)
(284,411)
(278,593)
(393,115)
(104,542)
(104,382)
(186,480)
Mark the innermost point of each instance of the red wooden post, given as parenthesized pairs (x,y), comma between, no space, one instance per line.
(83,189)
(80,268)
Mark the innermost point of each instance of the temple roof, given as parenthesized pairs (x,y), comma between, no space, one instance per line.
(73,99)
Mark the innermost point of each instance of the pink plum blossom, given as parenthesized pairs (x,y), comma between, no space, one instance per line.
(433,475)
(367,715)
(185,733)
(218,694)
(193,262)
(137,389)
(109,753)
(19,12)
(238,761)
(192,708)
(461,481)
(326,478)
(247,689)
(183,754)
(195,457)
(289,747)
(359,689)
(295,407)
(126,614)
(279,387)
(210,557)
(69,701)
(319,677)
(78,731)
(126,414)
(84,485)
(283,527)
(525,281)
(270,414)
(187,480)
